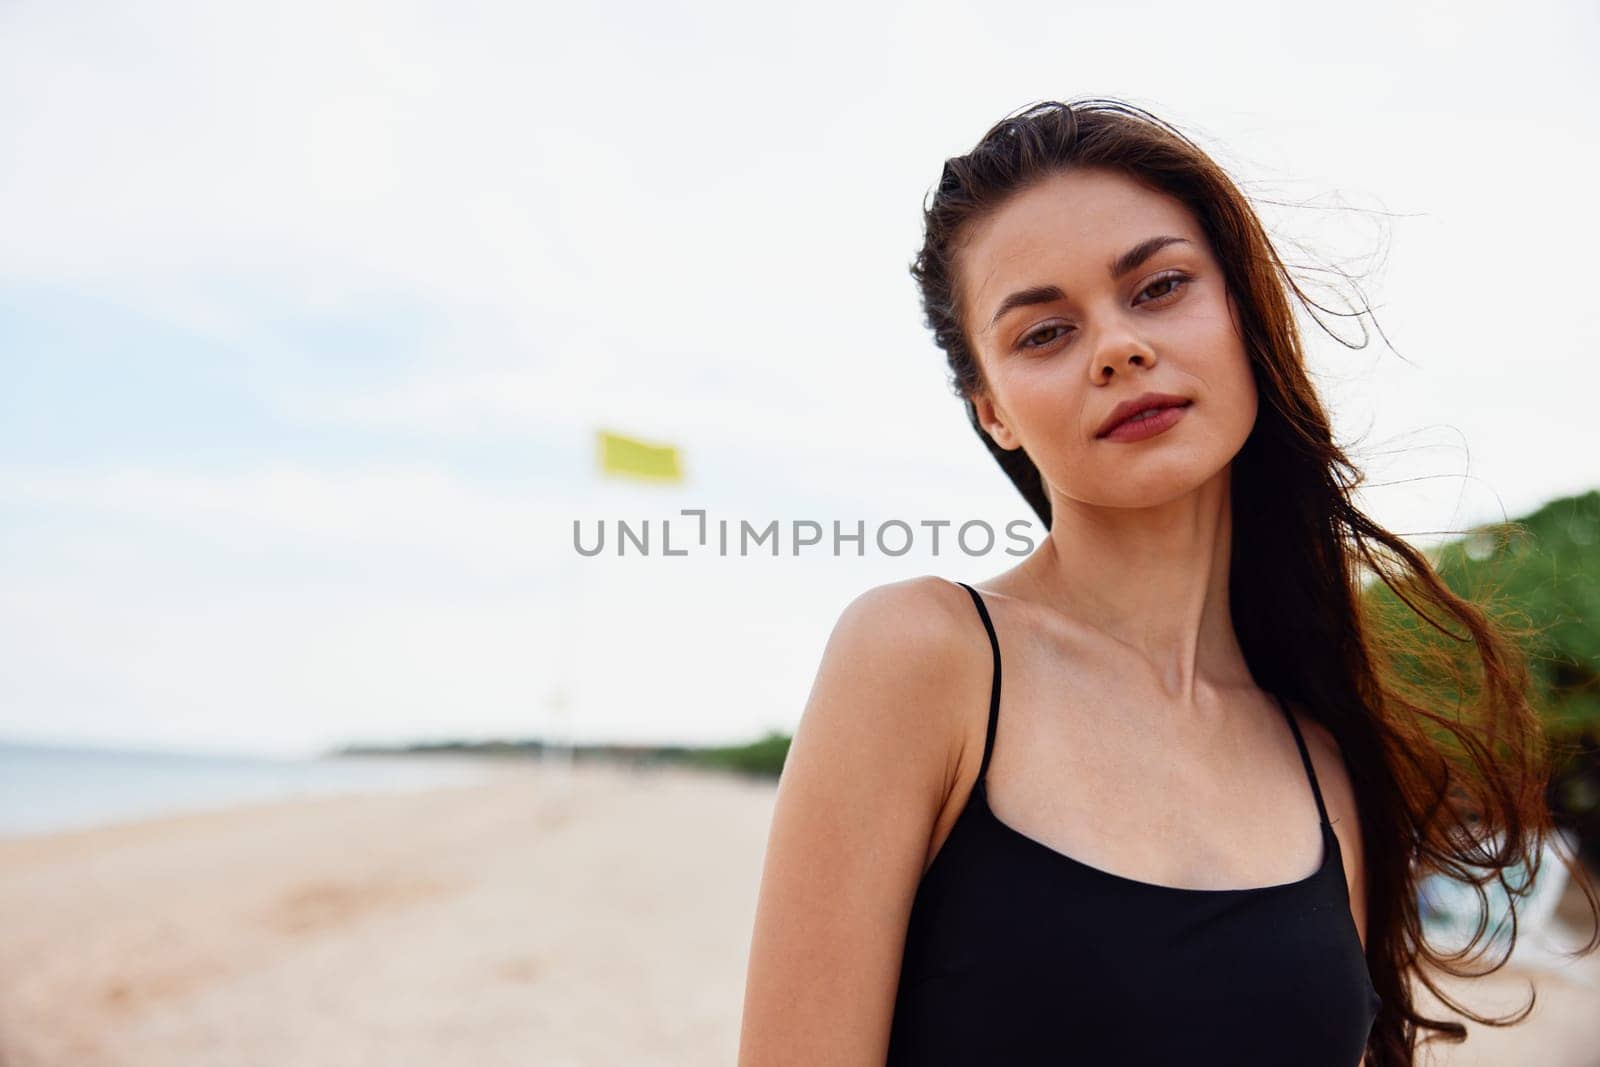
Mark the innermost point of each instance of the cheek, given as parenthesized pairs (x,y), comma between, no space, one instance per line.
(1241,373)
(1048,404)
(1230,388)
(1222,359)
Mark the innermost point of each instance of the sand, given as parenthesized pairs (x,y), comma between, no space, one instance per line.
(595,916)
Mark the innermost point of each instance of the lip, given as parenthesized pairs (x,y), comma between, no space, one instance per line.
(1129,408)
(1163,420)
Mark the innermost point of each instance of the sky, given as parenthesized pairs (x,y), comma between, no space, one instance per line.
(309,313)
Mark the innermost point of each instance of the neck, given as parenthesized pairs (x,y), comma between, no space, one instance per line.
(1155,581)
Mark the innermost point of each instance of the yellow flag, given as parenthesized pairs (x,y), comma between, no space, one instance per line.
(633,458)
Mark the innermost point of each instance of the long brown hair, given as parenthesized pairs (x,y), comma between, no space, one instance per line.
(1458,790)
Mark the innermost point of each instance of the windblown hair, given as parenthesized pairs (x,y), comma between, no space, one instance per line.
(1450,773)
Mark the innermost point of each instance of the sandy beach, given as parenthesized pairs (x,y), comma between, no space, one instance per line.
(587,917)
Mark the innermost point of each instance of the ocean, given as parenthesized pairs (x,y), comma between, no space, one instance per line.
(45,788)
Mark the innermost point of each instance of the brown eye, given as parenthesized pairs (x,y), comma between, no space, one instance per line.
(1042,336)
(1173,282)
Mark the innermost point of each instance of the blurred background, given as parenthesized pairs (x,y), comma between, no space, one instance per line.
(331,334)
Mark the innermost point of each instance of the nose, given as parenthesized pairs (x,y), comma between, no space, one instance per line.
(1121,351)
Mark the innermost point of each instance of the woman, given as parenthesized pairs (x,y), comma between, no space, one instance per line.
(1190,826)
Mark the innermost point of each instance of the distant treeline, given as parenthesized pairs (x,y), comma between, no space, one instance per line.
(763,758)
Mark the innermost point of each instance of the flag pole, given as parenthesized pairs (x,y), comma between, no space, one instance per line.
(616,455)
(557,752)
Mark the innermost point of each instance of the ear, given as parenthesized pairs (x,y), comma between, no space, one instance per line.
(992,422)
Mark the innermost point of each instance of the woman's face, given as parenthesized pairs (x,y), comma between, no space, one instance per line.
(1062,340)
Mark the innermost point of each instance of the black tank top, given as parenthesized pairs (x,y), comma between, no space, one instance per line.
(1017,955)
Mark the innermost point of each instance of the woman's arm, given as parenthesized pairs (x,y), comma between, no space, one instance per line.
(868,771)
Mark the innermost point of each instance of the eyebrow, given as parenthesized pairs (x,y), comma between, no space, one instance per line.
(1130,260)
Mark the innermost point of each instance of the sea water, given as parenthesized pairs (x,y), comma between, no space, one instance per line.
(44,788)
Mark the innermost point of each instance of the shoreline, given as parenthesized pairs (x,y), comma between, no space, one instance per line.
(49,789)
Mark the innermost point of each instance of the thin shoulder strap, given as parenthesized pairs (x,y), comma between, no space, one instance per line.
(994,688)
(1305,757)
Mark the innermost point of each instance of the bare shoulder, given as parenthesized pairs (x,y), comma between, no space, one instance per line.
(1333,778)
(926,617)
(864,781)
(892,669)
(1333,775)
(920,616)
